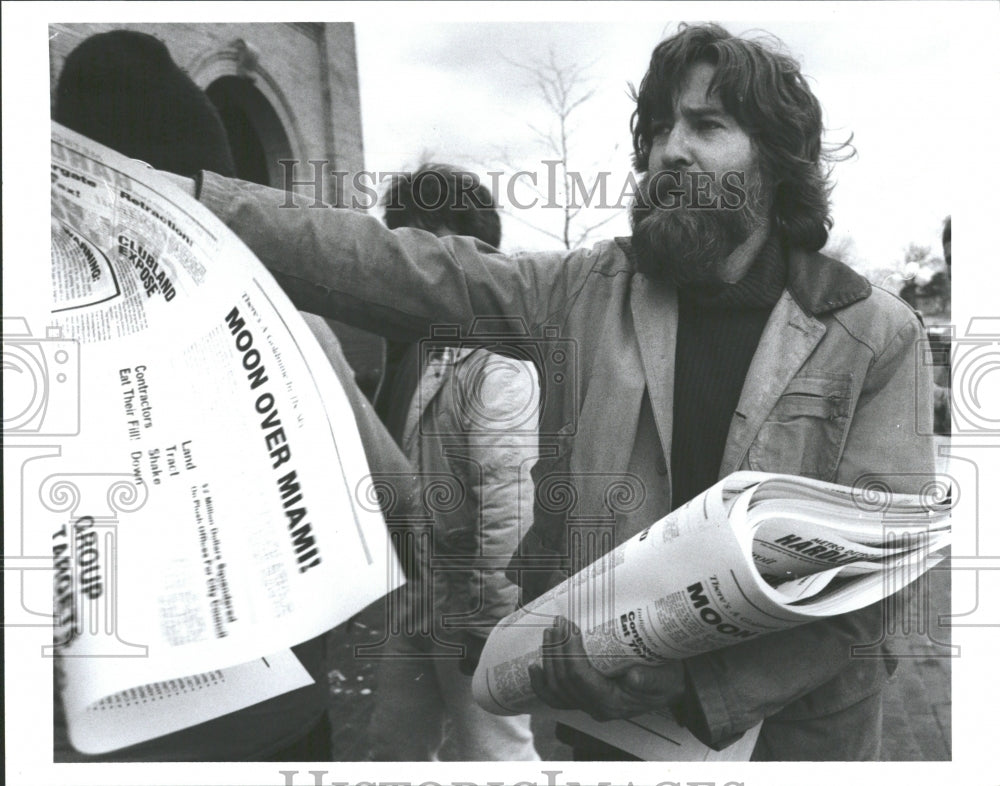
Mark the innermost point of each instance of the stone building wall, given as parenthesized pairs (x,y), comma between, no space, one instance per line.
(307,72)
(297,83)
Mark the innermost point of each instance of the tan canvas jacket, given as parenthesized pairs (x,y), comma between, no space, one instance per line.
(835,391)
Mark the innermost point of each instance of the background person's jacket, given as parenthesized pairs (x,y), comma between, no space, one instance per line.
(471,434)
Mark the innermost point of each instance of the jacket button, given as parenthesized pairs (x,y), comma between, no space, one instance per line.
(661,465)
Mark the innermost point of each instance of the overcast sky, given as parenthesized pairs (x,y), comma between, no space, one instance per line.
(890,78)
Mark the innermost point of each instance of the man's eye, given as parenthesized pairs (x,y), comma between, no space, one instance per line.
(709,125)
(660,129)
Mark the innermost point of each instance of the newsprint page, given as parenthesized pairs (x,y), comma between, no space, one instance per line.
(199,561)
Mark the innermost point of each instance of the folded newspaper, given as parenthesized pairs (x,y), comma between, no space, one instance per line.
(754,554)
(230,528)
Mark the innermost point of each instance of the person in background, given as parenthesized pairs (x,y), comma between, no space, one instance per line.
(942,368)
(123,90)
(465,417)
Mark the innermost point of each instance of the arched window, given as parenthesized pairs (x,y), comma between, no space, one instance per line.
(256,135)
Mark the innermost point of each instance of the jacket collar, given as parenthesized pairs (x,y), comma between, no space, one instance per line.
(821,284)
(818,283)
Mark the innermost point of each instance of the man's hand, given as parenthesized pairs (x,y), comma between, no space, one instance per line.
(566,680)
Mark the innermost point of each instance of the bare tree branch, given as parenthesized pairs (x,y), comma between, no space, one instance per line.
(534,226)
(583,235)
(563,90)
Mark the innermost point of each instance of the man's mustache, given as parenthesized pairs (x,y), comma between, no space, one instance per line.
(693,190)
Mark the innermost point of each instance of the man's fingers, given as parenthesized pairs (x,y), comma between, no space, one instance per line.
(555,668)
(580,684)
(569,665)
(541,688)
(560,653)
(586,682)
(558,681)
(661,683)
(572,643)
(565,679)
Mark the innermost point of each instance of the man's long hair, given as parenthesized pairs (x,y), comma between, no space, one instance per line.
(765,91)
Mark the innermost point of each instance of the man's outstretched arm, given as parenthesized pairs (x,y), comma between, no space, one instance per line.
(347,266)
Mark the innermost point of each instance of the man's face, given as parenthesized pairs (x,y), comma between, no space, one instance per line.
(704,192)
(701,136)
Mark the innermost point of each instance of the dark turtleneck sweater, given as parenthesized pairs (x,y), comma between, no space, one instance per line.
(718,331)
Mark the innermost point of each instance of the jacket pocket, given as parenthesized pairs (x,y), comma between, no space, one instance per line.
(804,433)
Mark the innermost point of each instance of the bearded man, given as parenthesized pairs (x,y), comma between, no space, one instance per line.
(716,339)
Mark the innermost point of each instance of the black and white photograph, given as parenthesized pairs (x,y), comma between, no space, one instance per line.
(529,393)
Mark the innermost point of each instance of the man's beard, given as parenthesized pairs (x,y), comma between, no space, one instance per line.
(676,241)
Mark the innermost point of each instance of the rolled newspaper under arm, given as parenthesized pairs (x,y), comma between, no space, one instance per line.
(690,583)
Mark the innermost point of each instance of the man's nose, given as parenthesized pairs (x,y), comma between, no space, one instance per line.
(675,153)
